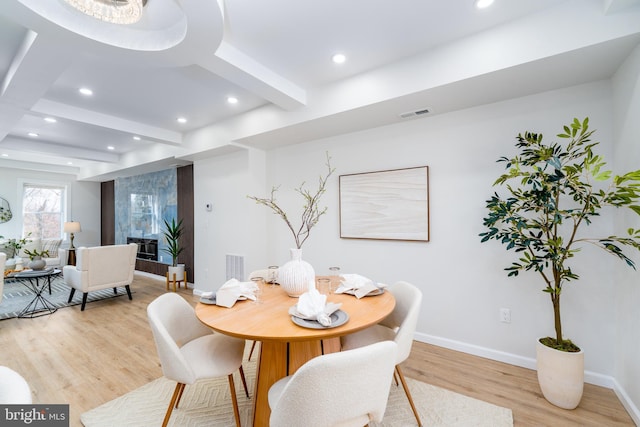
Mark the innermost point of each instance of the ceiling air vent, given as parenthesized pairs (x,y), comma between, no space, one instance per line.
(416,113)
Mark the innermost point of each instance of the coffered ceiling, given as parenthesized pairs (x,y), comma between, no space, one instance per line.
(185,58)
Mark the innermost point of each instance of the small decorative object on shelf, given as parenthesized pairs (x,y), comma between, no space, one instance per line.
(297,276)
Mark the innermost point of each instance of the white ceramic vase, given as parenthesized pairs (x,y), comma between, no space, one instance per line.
(296,276)
(560,375)
(37,263)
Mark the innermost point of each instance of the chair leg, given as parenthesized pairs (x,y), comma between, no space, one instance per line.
(395,377)
(180,395)
(244,381)
(179,386)
(253,347)
(408,393)
(115,291)
(73,291)
(84,300)
(128,292)
(234,399)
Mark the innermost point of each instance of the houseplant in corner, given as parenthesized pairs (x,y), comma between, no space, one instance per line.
(172,232)
(554,191)
(297,276)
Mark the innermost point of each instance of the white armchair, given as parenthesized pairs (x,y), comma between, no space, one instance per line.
(101,267)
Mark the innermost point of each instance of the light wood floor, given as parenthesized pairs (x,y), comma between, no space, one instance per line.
(88,358)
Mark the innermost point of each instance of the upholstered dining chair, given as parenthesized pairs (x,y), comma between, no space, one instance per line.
(399,326)
(189,351)
(347,388)
(14,389)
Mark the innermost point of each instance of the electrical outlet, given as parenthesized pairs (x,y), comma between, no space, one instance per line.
(505,315)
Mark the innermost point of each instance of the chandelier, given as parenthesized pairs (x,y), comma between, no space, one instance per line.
(113,11)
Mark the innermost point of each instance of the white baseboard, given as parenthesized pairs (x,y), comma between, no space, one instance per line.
(530,363)
(631,408)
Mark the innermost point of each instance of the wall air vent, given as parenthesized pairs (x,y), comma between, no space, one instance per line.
(416,113)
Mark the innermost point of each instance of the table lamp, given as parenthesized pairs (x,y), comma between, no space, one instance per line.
(72,227)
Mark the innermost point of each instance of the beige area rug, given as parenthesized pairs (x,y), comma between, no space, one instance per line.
(208,403)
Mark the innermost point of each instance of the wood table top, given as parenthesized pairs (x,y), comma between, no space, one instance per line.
(270,320)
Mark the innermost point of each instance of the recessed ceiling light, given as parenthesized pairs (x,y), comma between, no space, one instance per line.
(33,134)
(181,120)
(137,138)
(69,163)
(339,58)
(232,100)
(85,91)
(481,4)
(111,147)
(50,120)
(5,155)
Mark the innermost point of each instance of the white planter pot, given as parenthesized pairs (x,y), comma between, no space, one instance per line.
(178,270)
(560,375)
(296,276)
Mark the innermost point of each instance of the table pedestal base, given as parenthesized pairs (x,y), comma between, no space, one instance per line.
(279,359)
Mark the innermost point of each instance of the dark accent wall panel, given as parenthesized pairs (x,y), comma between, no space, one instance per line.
(107,213)
(185,212)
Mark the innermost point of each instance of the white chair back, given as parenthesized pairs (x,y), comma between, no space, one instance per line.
(348,388)
(174,323)
(404,317)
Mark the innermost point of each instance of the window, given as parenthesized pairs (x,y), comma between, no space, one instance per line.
(43,211)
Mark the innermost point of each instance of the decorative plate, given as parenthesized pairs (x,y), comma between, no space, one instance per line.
(338,318)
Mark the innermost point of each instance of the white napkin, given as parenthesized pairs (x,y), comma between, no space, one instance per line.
(312,305)
(233,290)
(208,295)
(357,285)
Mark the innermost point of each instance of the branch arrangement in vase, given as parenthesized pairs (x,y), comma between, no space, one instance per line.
(311,211)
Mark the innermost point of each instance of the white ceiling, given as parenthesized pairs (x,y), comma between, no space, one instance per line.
(185,58)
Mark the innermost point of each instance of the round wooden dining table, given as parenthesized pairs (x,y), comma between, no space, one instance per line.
(285,346)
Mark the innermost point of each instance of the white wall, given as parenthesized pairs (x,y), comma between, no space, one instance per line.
(232,226)
(463,280)
(84,202)
(626,89)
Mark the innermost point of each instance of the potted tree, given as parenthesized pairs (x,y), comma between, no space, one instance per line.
(554,190)
(172,232)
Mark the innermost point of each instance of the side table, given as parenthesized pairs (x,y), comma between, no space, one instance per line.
(71,259)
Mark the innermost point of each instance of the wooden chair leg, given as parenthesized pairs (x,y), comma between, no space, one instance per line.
(128,289)
(84,300)
(408,393)
(180,395)
(234,399)
(179,386)
(73,291)
(167,276)
(395,377)
(244,381)
(253,346)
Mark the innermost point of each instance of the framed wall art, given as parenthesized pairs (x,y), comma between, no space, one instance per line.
(387,205)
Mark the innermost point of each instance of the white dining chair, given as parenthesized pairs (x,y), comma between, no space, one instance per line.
(399,327)
(347,388)
(189,351)
(14,389)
